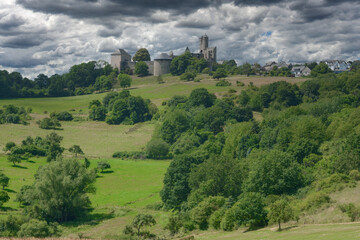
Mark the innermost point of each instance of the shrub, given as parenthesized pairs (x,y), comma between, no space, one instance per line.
(62,116)
(315,200)
(125,80)
(97,113)
(103,165)
(49,123)
(129,155)
(37,228)
(174,225)
(201,213)
(157,149)
(188,76)
(351,210)
(4,197)
(223,83)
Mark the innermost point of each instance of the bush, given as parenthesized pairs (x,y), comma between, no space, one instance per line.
(49,123)
(97,113)
(315,200)
(4,197)
(157,149)
(223,83)
(351,210)
(103,165)
(10,226)
(62,116)
(141,69)
(37,228)
(188,76)
(129,155)
(125,80)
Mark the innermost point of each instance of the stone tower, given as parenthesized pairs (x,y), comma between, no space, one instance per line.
(162,64)
(204,43)
(119,59)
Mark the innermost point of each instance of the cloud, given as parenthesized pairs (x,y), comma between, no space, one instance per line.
(40,36)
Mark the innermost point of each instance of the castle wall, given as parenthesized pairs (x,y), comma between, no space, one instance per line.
(116,61)
(161,66)
(150,64)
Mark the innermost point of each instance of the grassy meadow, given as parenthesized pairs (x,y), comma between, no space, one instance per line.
(130,186)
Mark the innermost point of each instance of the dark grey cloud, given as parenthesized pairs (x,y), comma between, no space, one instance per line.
(23,41)
(107,8)
(10,22)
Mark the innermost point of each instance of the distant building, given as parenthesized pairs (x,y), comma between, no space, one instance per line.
(270,65)
(300,71)
(161,64)
(338,66)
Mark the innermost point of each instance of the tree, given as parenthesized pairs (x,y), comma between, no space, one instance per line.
(273,172)
(49,123)
(157,149)
(4,197)
(97,113)
(280,211)
(125,80)
(174,125)
(37,229)
(176,181)
(9,146)
(249,210)
(139,222)
(201,96)
(321,68)
(75,149)
(220,73)
(142,55)
(4,180)
(103,165)
(14,158)
(141,69)
(59,192)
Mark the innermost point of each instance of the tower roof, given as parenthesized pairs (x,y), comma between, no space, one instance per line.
(163,56)
(120,52)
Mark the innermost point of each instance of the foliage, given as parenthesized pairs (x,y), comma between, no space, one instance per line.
(174,225)
(142,55)
(188,76)
(280,211)
(127,109)
(10,226)
(351,210)
(224,179)
(201,96)
(125,80)
(157,149)
(176,184)
(220,73)
(130,155)
(62,116)
(174,125)
(75,149)
(102,165)
(59,192)
(274,172)
(202,212)
(321,68)
(4,197)
(9,146)
(4,180)
(14,158)
(141,69)
(249,211)
(97,113)
(37,228)
(49,123)
(139,222)
(223,83)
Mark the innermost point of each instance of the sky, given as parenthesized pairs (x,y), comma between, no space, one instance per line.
(45,36)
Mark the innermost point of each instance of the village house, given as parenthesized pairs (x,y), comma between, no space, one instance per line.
(300,71)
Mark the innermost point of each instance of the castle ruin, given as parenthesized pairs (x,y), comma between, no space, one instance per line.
(161,64)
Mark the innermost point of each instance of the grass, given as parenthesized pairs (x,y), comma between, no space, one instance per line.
(96,139)
(302,232)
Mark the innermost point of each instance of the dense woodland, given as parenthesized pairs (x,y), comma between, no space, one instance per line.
(228,169)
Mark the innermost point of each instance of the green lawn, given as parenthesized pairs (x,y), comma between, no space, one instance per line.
(128,183)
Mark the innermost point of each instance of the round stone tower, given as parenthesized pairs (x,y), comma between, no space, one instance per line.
(204,43)
(162,64)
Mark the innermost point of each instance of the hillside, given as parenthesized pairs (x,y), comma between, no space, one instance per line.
(298,132)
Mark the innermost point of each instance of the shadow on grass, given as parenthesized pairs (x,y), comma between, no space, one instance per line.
(107,171)
(92,219)
(9,190)
(31,161)
(18,166)
(287,228)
